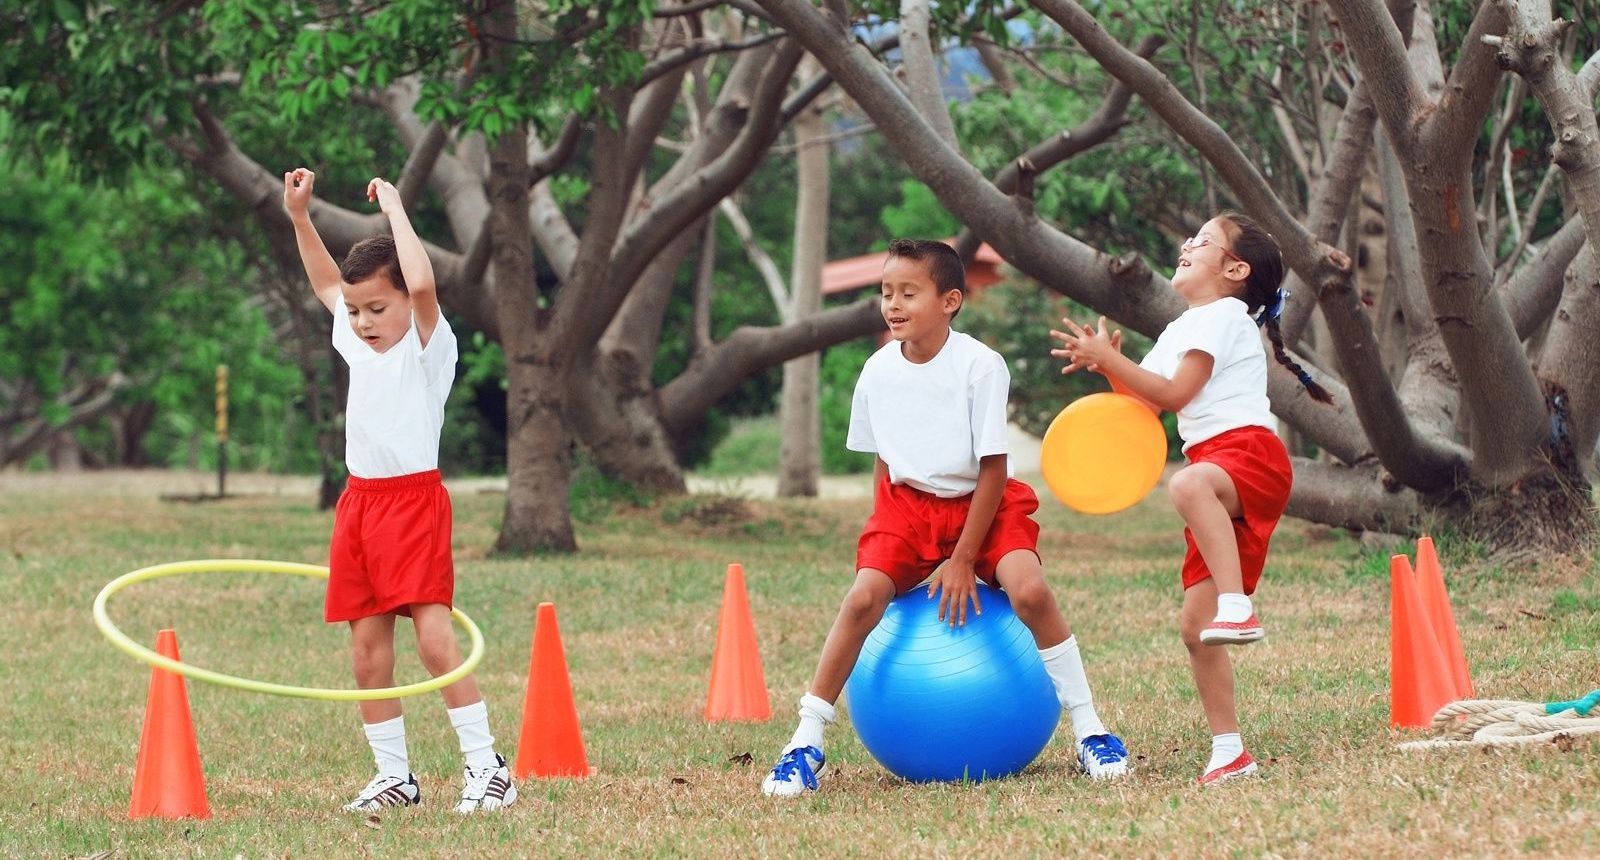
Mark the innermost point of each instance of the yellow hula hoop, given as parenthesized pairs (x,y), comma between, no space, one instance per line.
(133,649)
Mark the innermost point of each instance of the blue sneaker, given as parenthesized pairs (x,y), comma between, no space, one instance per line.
(1103,756)
(795,772)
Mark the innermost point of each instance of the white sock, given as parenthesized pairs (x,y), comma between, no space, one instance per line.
(472,729)
(1233,608)
(1064,665)
(1224,749)
(815,715)
(388,742)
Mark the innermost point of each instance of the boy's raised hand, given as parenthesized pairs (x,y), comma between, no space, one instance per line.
(382,192)
(297,190)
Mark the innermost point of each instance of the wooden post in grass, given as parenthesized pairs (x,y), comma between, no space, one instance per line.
(222,430)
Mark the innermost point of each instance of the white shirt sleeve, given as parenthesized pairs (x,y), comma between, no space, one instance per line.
(1209,331)
(860,436)
(439,356)
(345,342)
(990,388)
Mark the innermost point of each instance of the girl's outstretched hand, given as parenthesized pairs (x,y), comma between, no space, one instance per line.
(1086,346)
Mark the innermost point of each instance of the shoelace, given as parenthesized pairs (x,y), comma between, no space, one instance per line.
(377,786)
(1106,749)
(478,782)
(799,761)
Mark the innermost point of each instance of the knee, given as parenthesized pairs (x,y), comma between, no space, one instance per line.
(1031,598)
(1189,629)
(371,658)
(1188,489)
(862,605)
(435,646)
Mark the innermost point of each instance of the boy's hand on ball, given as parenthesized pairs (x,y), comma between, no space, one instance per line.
(956,583)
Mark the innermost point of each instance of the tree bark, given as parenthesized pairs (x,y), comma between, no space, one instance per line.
(800,449)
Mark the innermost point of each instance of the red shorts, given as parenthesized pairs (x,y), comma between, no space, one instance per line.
(910,533)
(1254,457)
(390,548)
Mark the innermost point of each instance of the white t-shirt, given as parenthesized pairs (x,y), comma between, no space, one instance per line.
(931,422)
(396,406)
(1236,394)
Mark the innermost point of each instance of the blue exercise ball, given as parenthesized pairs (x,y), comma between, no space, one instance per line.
(932,703)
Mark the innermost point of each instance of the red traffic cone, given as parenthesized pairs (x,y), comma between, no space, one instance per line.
(1419,679)
(738,690)
(1436,599)
(552,743)
(167,780)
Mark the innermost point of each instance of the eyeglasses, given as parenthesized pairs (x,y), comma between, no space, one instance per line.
(1203,240)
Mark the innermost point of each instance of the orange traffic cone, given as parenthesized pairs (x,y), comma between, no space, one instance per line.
(167,781)
(1419,679)
(1436,600)
(551,743)
(738,686)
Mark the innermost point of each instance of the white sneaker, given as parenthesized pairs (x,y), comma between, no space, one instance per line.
(795,772)
(487,789)
(1103,756)
(386,791)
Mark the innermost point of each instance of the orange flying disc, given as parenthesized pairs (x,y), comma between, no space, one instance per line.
(1103,453)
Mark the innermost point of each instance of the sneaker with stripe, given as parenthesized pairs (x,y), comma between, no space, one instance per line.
(488,788)
(1244,765)
(1233,632)
(386,791)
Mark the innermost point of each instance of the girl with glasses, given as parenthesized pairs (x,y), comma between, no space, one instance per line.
(1209,366)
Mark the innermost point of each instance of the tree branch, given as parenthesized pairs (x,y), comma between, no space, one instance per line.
(777,287)
(751,350)
(1331,196)
(701,48)
(692,199)
(419,165)
(547,161)
(1531,295)
(921,70)
(1354,497)
(1379,48)
(1107,120)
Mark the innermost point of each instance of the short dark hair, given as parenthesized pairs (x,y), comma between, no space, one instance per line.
(944,264)
(373,256)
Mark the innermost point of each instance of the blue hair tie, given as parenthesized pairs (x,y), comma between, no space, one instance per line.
(1305,378)
(1274,310)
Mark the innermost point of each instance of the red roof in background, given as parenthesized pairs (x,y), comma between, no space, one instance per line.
(853,273)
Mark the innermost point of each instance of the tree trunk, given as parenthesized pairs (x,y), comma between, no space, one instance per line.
(538,444)
(132,426)
(800,452)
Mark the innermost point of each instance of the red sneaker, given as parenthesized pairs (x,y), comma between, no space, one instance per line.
(1244,765)
(1234,632)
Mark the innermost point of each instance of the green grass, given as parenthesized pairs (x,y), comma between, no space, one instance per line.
(638,609)
(750,448)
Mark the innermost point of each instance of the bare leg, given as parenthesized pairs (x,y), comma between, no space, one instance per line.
(1213,671)
(372,654)
(1022,577)
(863,606)
(1206,498)
(436,645)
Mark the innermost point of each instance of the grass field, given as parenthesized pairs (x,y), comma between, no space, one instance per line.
(638,609)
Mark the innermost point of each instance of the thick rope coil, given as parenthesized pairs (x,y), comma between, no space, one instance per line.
(1504,722)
